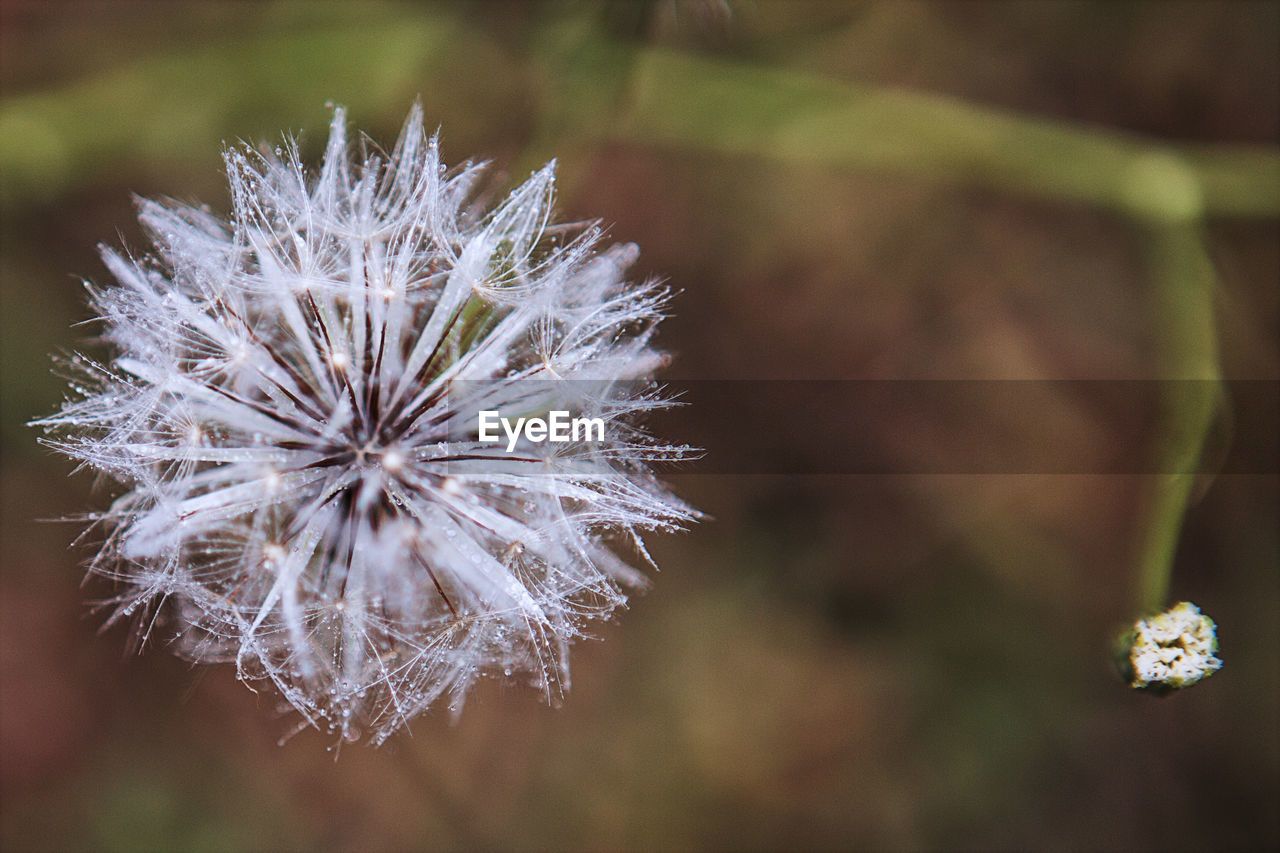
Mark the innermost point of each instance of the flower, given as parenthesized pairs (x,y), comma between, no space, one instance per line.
(1172,650)
(291,405)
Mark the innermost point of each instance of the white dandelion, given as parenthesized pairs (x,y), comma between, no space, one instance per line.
(291,405)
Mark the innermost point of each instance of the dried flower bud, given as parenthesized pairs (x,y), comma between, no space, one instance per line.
(1169,651)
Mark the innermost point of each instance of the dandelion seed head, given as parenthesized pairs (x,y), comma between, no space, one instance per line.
(290,406)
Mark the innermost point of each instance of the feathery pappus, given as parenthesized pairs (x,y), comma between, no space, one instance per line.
(291,404)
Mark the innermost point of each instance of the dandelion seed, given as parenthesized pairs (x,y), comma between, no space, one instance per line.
(291,407)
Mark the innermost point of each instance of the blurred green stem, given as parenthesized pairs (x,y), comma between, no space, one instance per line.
(687,100)
(593,89)
(167,107)
(694,101)
(1182,292)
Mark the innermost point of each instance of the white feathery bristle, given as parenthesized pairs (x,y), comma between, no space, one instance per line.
(291,404)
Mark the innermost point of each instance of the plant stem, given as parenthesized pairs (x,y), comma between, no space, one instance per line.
(699,102)
(1182,292)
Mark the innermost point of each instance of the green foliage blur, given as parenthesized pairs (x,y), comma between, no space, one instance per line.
(842,190)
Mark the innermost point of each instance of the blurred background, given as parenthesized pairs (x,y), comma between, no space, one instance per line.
(841,191)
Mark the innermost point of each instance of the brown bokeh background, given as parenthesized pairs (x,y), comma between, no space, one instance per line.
(890,661)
